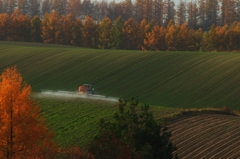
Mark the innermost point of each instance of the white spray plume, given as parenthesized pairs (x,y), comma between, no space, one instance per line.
(72,95)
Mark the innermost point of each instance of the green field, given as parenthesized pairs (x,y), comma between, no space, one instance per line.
(171,79)
(165,80)
(75,121)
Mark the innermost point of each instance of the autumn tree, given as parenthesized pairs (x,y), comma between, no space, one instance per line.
(22,130)
(209,40)
(143,29)
(130,34)
(155,40)
(171,36)
(20,28)
(220,34)
(105,33)
(50,25)
(183,38)
(90,33)
(71,30)
(232,36)
(195,39)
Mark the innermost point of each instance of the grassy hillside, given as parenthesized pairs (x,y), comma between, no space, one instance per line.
(173,79)
(75,121)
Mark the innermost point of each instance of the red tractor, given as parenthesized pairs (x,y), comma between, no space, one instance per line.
(86,89)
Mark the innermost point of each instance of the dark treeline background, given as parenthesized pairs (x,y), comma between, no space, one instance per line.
(205,25)
(196,13)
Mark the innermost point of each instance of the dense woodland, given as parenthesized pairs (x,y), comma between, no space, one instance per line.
(203,25)
(197,13)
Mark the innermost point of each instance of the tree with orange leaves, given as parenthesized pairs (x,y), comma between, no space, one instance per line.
(22,130)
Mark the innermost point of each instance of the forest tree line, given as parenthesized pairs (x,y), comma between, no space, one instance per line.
(117,34)
(196,13)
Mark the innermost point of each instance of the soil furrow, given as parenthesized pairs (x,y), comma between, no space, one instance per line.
(211,147)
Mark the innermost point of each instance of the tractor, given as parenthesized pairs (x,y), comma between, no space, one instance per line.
(86,89)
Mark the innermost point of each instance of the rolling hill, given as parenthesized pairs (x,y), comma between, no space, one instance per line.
(172,79)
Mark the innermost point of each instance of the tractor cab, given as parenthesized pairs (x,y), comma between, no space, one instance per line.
(86,89)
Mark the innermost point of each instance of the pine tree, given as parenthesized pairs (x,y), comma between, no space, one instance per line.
(117,31)
(77,33)
(181,13)
(192,12)
(36,29)
(171,36)
(87,8)
(74,7)
(45,7)
(169,11)
(5,22)
(1,6)
(158,11)
(34,8)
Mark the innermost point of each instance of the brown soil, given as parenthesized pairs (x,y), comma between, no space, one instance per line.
(206,136)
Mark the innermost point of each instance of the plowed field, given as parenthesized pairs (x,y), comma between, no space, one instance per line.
(207,136)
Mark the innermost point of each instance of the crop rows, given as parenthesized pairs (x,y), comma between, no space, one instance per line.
(172,79)
(207,136)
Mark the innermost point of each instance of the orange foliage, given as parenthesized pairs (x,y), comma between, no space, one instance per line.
(90,33)
(22,130)
(171,37)
(50,26)
(155,40)
(131,34)
(19,27)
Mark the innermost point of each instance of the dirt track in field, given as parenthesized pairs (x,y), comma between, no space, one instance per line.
(207,136)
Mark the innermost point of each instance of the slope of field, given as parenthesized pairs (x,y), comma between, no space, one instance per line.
(75,121)
(207,136)
(173,79)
